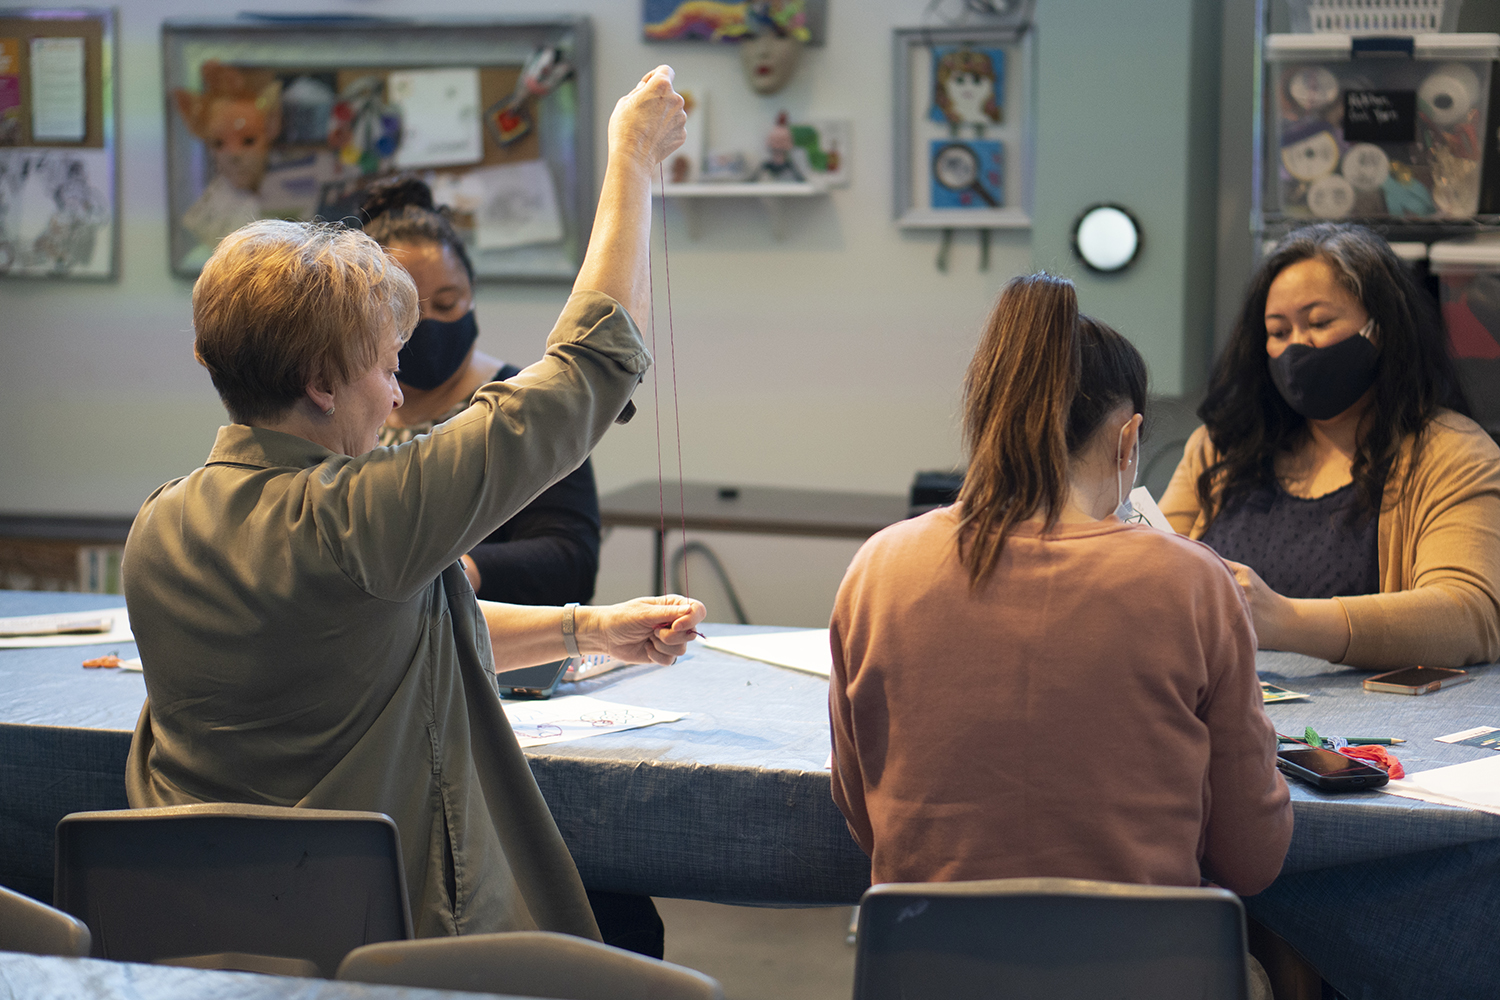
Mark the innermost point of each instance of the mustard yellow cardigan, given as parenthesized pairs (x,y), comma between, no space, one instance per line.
(1438,543)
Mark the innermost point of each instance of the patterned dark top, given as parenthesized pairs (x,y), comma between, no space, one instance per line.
(1301,547)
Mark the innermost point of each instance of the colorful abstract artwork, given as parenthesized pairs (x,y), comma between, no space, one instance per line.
(714,21)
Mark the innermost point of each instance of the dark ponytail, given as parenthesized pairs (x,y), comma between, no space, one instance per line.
(1041,381)
(401,210)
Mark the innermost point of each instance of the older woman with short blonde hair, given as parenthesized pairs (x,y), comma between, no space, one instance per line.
(281,305)
(308,636)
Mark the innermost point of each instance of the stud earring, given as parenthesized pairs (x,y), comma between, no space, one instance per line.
(328,412)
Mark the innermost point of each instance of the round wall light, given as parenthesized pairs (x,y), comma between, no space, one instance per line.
(1106,238)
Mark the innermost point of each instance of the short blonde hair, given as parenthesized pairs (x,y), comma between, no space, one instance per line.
(284,305)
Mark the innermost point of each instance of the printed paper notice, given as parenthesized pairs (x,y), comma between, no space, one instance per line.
(57,90)
(805,649)
(575,717)
(439,117)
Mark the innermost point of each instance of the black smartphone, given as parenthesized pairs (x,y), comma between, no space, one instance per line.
(1416,680)
(531,682)
(1332,772)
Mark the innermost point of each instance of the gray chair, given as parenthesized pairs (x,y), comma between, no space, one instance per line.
(37,929)
(233,886)
(527,963)
(1051,938)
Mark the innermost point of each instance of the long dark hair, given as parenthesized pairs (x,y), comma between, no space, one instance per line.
(1042,380)
(400,209)
(1250,424)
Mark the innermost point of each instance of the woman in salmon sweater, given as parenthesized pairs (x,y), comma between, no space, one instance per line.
(1337,467)
(1025,685)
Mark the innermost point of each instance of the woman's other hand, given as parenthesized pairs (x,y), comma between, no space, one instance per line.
(1298,625)
(645,630)
(649,123)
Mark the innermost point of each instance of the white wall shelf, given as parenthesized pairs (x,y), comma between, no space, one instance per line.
(774,195)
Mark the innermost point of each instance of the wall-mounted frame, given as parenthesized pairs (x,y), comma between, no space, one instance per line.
(963,127)
(347,101)
(59,215)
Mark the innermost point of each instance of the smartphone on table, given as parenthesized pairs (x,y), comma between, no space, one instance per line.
(1330,771)
(531,682)
(1416,680)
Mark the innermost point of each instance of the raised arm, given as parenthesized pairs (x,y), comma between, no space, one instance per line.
(646,127)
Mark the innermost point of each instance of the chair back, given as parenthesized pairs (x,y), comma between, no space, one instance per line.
(228,885)
(1057,938)
(527,963)
(37,929)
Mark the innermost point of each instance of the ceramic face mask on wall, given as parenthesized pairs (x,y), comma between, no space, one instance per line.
(769,61)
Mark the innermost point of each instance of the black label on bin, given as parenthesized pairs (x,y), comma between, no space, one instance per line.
(1380,115)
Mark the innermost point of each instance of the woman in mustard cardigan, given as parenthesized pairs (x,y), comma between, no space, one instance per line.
(1337,469)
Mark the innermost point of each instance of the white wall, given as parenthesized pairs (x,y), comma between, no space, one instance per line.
(831,359)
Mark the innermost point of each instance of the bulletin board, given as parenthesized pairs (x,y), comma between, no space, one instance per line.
(964,131)
(58,166)
(293,117)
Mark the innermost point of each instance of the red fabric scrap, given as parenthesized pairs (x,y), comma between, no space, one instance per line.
(1377,755)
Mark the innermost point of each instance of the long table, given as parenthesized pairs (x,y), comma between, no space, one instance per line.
(1389,897)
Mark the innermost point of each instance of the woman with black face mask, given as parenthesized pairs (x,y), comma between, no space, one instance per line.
(549,552)
(1337,469)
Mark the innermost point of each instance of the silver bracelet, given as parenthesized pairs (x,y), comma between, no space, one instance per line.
(570,641)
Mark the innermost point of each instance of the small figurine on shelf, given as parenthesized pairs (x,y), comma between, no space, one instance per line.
(778,166)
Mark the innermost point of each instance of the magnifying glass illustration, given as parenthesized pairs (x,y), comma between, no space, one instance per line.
(956,167)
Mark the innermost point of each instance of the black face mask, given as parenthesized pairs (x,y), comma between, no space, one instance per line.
(436,350)
(1322,382)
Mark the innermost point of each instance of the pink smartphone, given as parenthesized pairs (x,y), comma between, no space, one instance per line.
(1416,680)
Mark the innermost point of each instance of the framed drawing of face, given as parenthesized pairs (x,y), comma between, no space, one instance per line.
(963,129)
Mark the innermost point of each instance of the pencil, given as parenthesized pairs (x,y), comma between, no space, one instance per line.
(1372,741)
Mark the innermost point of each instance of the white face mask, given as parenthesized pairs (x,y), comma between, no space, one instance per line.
(1123,509)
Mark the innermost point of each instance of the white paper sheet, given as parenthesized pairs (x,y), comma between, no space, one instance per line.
(513,205)
(805,649)
(119,632)
(518,206)
(575,717)
(439,116)
(1475,785)
(57,90)
(1144,505)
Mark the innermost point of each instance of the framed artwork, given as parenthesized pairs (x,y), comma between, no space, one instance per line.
(58,155)
(700,21)
(295,117)
(963,135)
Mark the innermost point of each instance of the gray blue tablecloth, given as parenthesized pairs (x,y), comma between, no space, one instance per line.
(1389,897)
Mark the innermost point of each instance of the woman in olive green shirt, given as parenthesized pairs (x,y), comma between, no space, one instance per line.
(308,636)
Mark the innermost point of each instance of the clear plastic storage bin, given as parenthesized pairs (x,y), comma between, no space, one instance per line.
(1468,274)
(1376,127)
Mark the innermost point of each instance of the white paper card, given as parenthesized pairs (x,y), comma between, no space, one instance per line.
(1466,734)
(805,649)
(1146,510)
(439,116)
(1475,785)
(119,630)
(57,90)
(575,717)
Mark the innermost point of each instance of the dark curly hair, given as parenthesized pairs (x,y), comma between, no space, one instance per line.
(401,209)
(1250,424)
